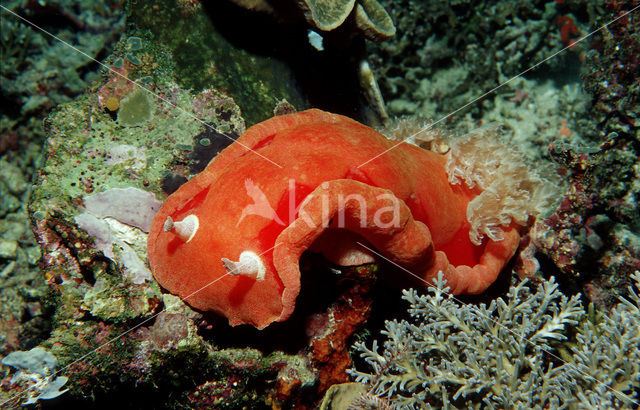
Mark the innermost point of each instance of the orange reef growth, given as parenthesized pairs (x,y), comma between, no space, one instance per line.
(568,30)
(230,239)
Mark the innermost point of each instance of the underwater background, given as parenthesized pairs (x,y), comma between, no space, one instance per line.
(112,105)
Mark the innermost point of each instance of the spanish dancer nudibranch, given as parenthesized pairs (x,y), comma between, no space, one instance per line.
(230,239)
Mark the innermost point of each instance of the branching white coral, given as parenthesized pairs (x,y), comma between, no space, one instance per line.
(507,354)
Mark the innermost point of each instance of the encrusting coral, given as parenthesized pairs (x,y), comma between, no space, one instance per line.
(331,179)
(368,16)
(513,353)
(36,371)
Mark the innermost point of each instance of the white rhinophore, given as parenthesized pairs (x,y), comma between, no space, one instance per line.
(185,229)
(249,264)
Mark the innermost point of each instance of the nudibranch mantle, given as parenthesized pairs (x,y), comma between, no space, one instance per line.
(242,208)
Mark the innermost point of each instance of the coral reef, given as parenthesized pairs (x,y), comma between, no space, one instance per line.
(579,110)
(592,238)
(370,17)
(39,72)
(513,352)
(90,209)
(85,293)
(533,113)
(23,305)
(448,53)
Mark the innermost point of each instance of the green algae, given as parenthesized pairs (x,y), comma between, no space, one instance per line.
(82,135)
(136,108)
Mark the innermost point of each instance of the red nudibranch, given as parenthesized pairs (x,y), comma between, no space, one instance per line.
(218,244)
